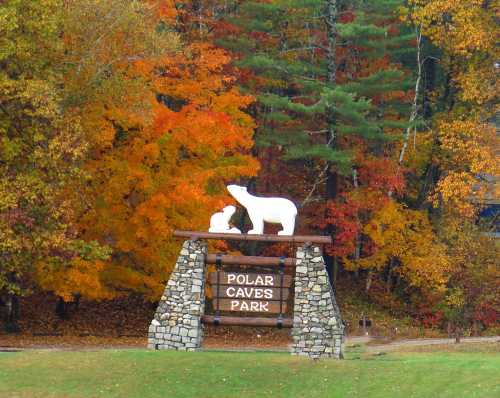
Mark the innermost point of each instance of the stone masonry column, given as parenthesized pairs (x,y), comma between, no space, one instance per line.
(318,331)
(177,322)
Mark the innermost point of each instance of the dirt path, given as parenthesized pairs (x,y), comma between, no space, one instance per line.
(423,342)
(371,345)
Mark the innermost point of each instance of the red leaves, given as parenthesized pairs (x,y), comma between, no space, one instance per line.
(382,174)
(487,314)
(344,218)
(377,177)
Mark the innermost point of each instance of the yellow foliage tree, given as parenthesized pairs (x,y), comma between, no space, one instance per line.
(96,54)
(42,148)
(405,245)
(467,31)
(467,152)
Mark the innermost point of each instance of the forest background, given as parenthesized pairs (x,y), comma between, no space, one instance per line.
(123,120)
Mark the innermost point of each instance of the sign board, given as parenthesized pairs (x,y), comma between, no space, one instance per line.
(271,307)
(245,279)
(244,292)
(248,292)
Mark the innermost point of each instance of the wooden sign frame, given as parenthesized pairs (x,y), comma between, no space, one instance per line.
(250,292)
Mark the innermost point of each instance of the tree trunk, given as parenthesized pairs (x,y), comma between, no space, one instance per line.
(62,309)
(449,91)
(431,177)
(476,328)
(329,265)
(331,33)
(77,301)
(357,248)
(414,111)
(429,87)
(458,334)
(12,304)
(330,18)
(369,279)
(389,275)
(331,56)
(335,269)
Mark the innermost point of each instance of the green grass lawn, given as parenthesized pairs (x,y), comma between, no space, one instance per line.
(463,372)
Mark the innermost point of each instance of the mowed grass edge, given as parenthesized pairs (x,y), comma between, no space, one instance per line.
(142,373)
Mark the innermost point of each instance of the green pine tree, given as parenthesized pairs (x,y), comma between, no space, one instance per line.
(310,66)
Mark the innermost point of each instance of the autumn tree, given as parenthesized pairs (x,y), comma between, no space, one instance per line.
(98,43)
(464,138)
(471,299)
(461,143)
(309,65)
(331,85)
(168,170)
(123,120)
(404,246)
(42,149)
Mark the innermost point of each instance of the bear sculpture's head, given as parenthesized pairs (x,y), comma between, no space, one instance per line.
(236,190)
(230,210)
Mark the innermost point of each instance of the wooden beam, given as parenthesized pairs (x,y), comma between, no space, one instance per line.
(227,259)
(259,238)
(246,321)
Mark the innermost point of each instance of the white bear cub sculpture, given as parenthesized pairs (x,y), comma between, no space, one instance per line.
(273,210)
(219,222)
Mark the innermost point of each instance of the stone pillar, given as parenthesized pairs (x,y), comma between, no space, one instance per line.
(177,322)
(318,331)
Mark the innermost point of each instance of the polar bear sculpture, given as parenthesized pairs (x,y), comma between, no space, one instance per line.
(273,210)
(219,222)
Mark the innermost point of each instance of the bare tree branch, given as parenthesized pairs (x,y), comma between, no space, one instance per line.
(320,179)
(414,112)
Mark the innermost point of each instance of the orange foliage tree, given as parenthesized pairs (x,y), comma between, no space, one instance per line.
(167,171)
(101,89)
(165,129)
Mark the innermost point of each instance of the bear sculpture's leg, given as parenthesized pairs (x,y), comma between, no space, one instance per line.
(288,224)
(257,223)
